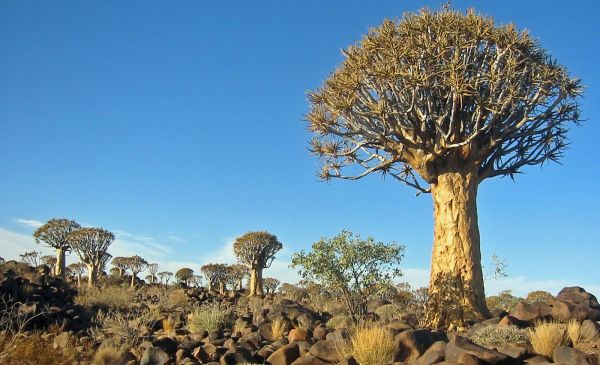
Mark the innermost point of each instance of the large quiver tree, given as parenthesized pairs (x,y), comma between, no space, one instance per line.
(91,244)
(441,101)
(257,251)
(55,234)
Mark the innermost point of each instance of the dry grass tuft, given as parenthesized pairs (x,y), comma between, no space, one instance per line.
(546,336)
(108,356)
(33,350)
(278,327)
(582,336)
(168,325)
(208,317)
(369,345)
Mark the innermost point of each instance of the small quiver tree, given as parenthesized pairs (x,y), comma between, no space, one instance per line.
(91,244)
(49,261)
(165,276)
(136,265)
(271,284)
(55,234)
(441,101)
(120,263)
(31,258)
(77,269)
(153,269)
(215,274)
(237,273)
(257,251)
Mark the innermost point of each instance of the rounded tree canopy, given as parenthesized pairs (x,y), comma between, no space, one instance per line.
(55,233)
(256,249)
(442,92)
(184,274)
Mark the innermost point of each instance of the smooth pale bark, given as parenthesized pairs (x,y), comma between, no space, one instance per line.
(222,288)
(78,280)
(456,289)
(256,283)
(133,276)
(60,267)
(92,275)
(240,284)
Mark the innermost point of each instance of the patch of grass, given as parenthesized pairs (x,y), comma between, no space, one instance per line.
(107,298)
(582,336)
(209,317)
(339,321)
(31,349)
(498,335)
(278,327)
(546,336)
(108,356)
(389,312)
(369,345)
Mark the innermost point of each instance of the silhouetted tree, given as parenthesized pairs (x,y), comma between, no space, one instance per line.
(442,101)
(77,269)
(165,276)
(257,251)
(120,263)
(236,276)
(49,261)
(55,234)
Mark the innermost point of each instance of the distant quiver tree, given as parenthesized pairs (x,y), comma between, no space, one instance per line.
(55,234)
(257,251)
(91,244)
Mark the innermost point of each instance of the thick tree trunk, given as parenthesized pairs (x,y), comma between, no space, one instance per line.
(78,280)
(222,288)
(60,268)
(256,283)
(92,275)
(133,275)
(240,284)
(456,289)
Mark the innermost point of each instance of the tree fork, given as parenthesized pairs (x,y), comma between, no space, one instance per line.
(456,288)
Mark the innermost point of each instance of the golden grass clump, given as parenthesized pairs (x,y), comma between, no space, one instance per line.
(369,345)
(108,356)
(547,336)
(581,335)
(278,327)
(208,317)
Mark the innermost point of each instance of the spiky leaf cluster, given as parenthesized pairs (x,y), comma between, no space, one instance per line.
(442,91)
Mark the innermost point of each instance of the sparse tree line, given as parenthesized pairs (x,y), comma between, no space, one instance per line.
(255,251)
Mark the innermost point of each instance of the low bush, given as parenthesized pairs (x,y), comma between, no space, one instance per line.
(339,321)
(389,312)
(108,356)
(369,345)
(208,317)
(498,335)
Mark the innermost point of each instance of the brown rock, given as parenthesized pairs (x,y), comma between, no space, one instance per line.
(531,312)
(325,350)
(309,360)
(459,345)
(573,356)
(467,359)
(285,355)
(298,334)
(434,354)
(320,332)
(411,344)
(513,321)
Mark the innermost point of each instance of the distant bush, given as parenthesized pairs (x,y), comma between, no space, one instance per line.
(498,335)
(504,300)
(539,296)
(208,317)
(390,312)
(546,336)
(339,321)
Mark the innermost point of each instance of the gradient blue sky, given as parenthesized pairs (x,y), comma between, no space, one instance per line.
(178,125)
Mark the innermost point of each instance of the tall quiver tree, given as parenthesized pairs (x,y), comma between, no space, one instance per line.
(257,251)
(442,101)
(136,265)
(91,244)
(55,234)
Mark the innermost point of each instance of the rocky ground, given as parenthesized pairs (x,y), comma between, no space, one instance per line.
(273,330)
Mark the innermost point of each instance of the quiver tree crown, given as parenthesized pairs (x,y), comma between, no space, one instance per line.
(442,92)
(257,249)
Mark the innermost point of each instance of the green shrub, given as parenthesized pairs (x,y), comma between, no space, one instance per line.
(498,335)
(208,317)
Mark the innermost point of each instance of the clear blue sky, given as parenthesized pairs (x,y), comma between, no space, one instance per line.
(179,125)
